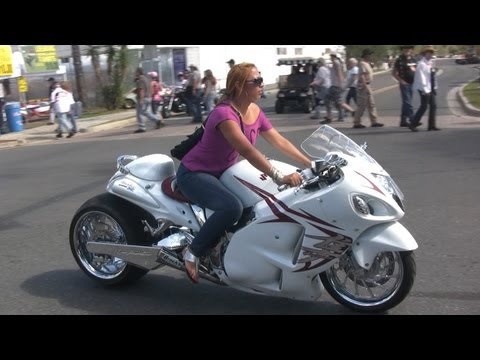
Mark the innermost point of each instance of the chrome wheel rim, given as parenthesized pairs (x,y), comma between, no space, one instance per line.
(371,287)
(99,227)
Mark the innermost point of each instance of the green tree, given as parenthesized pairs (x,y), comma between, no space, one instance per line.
(110,82)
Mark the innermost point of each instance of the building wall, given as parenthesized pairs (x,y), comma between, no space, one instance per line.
(265,57)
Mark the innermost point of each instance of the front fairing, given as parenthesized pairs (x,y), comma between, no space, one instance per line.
(327,142)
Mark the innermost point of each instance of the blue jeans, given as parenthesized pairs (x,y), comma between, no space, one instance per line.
(407,107)
(207,191)
(334,95)
(145,109)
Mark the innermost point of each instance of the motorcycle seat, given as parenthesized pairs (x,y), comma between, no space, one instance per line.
(170,188)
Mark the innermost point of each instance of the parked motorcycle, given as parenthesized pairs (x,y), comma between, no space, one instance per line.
(173,101)
(339,230)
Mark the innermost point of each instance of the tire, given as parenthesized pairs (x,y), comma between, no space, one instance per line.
(129,104)
(375,280)
(279,107)
(166,113)
(108,218)
(307,106)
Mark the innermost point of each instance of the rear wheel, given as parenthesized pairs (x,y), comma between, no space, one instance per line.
(108,218)
(382,287)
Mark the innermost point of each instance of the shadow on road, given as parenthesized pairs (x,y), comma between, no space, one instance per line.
(159,294)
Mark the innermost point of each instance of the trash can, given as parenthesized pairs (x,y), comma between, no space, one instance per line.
(14,117)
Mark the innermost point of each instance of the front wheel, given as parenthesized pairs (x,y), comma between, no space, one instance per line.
(382,287)
(107,218)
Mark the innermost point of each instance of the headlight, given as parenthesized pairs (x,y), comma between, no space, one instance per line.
(360,205)
(369,206)
(389,185)
(281,95)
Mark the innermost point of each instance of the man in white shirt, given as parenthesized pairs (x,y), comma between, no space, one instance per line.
(426,85)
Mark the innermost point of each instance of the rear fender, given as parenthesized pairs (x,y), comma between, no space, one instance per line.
(391,236)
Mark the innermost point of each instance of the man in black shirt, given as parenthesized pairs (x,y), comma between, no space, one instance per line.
(404,72)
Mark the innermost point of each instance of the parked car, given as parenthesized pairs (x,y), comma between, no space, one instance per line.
(130,99)
(468,59)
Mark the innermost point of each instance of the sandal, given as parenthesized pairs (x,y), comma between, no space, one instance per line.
(191,266)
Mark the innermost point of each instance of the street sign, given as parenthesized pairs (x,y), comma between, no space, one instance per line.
(6,60)
(22,84)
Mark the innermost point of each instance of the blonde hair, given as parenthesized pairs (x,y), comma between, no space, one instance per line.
(236,78)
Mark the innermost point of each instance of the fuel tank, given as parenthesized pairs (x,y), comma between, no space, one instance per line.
(242,178)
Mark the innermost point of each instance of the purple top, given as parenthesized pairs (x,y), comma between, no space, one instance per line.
(213,154)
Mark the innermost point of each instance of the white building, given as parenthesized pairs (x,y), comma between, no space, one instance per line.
(175,58)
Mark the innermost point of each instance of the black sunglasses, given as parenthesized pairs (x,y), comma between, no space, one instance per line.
(257,81)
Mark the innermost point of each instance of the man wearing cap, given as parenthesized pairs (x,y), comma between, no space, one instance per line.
(231,63)
(52,85)
(365,93)
(404,72)
(426,85)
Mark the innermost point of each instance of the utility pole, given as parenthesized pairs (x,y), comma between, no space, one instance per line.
(77,64)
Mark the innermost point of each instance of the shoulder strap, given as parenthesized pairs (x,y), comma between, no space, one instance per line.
(240,117)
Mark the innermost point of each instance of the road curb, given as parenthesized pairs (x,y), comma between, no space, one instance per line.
(8,143)
(467,107)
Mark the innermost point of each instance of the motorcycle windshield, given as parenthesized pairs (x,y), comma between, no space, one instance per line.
(326,139)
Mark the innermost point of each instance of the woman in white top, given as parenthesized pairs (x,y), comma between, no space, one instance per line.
(426,85)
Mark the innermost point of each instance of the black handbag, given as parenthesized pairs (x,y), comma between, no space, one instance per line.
(180,150)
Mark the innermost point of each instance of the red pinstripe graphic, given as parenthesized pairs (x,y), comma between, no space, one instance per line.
(374,187)
(271,201)
(282,217)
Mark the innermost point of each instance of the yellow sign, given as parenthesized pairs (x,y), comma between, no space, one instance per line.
(22,84)
(40,58)
(6,60)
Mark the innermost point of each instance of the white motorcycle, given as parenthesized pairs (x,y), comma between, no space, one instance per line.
(338,230)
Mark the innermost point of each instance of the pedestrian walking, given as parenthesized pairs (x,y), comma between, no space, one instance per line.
(426,85)
(365,98)
(144,99)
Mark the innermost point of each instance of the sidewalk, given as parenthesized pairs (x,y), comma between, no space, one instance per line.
(46,133)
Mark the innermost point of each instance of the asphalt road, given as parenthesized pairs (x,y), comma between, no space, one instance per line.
(42,186)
